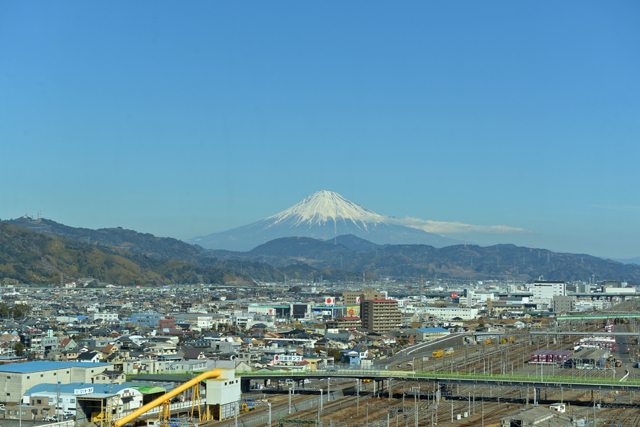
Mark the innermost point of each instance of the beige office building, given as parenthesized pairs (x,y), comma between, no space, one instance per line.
(357,297)
(17,378)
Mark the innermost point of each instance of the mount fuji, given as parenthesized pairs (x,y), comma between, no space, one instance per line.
(323,215)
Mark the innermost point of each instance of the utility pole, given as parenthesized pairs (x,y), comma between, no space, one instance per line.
(416,409)
(238,410)
(57,401)
(451,400)
(358,396)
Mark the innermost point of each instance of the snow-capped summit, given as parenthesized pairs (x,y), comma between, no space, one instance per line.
(323,215)
(327,207)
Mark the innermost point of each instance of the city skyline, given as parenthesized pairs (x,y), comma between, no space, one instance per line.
(518,121)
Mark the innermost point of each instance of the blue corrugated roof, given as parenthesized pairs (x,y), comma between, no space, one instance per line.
(70,388)
(22,368)
(431,330)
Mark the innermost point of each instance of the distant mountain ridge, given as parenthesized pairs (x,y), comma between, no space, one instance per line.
(145,251)
(635,260)
(127,240)
(30,257)
(341,258)
(323,215)
(463,262)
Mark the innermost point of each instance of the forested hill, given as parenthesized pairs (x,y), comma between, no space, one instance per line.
(36,257)
(118,237)
(342,258)
(459,261)
(30,257)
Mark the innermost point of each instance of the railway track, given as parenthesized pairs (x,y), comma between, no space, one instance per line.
(497,402)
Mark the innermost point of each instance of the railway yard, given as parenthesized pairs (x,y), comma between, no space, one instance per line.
(414,403)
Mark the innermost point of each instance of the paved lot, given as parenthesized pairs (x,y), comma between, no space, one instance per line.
(16,423)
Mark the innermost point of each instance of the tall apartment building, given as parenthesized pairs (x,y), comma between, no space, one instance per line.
(380,315)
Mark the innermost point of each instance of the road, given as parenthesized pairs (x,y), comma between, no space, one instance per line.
(622,343)
(418,350)
(5,422)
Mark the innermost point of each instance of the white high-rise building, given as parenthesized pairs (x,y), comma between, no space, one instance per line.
(544,290)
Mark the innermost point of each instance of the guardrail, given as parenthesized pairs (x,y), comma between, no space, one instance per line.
(68,423)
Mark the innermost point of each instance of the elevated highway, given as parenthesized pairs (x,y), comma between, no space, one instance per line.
(601,316)
(599,333)
(516,380)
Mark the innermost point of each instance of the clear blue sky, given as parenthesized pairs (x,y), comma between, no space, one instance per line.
(181,119)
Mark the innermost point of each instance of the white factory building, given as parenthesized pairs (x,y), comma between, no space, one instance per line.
(544,290)
(450,313)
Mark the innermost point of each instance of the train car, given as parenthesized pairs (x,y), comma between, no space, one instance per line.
(248,405)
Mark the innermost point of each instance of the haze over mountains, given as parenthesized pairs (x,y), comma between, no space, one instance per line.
(324,236)
(129,257)
(465,262)
(323,215)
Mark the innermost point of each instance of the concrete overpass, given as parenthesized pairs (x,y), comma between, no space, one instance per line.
(529,294)
(498,380)
(602,294)
(516,334)
(599,333)
(602,316)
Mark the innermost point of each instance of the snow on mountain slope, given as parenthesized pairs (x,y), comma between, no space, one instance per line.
(326,206)
(323,215)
